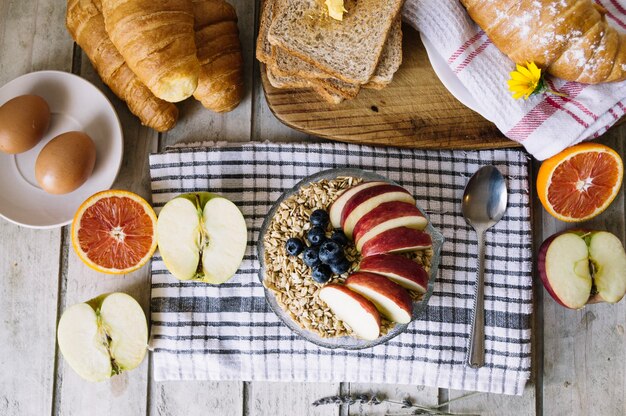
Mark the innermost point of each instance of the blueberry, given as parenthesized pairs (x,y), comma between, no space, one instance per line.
(319,217)
(339,237)
(322,273)
(341,267)
(294,246)
(316,235)
(330,252)
(311,257)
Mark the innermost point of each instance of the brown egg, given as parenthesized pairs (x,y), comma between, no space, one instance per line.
(65,163)
(23,122)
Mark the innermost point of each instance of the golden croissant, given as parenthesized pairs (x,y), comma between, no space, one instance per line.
(570,39)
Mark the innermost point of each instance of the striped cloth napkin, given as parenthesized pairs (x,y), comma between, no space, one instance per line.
(544,124)
(228,332)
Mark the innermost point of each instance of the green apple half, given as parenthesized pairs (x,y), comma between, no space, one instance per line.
(103,336)
(202,236)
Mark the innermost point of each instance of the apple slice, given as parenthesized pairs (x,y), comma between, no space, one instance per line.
(386,216)
(104,336)
(337,207)
(563,265)
(609,263)
(401,270)
(391,299)
(356,311)
(201,236)
(366,200)
(397,240)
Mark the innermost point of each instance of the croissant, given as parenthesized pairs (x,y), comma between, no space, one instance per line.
(156,38)
(570,39)
(220,85)
(85,23)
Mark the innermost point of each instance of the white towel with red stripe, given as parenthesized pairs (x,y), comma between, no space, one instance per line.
(544,124)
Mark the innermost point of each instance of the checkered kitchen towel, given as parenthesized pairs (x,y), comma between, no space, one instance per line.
(545,125)
(227,332)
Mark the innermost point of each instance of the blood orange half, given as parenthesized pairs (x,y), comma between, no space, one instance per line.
(114,232)
(580,182)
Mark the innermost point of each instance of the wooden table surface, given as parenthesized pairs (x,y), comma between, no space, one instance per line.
(578,356)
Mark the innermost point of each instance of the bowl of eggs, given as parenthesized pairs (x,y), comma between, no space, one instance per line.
(60,142)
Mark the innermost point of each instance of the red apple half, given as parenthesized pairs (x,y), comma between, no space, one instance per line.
(366,200)
(401,270)
(397,240)
(386,216)
(391,299)
(353,309)
(563,265)
(337,207)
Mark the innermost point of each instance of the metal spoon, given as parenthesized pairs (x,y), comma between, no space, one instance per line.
(484,204)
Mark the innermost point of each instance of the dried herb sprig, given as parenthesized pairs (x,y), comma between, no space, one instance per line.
(374,400)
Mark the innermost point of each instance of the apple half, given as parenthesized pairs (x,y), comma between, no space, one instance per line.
(391,299)
(337,207)
(399,269)
(103,336)
(202,236)
(385,217)
(364,201)
(580,267)
(397,240)
(353,309)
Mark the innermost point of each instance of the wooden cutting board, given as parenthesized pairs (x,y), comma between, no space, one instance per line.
(415,110)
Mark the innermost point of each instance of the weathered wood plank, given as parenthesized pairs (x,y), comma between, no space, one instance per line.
(124,394)
(427,396)
(29,259)
(29,263)
(196,398)
(283,399)
(584,350)
(486,404)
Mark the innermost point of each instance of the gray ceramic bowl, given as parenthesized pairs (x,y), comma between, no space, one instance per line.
(348,343)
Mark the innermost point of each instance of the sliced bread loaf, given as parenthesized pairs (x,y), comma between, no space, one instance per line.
(348,49)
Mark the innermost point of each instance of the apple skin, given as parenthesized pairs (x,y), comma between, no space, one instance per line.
(397,240)
(366,200)
(339,298)
(399,269)
(385,216)
(336,209)
(541,261)
(379,289)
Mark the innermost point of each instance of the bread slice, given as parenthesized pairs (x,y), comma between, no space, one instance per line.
(263,47)
(345,89)
(301,83)
(348,49)
(285,64)
(391,57)
(285,82)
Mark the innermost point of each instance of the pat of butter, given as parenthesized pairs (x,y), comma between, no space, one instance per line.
(335,9)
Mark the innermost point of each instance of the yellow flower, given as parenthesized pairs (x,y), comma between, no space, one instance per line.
(526,81)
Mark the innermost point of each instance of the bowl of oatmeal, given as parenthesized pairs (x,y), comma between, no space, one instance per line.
(293,287)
